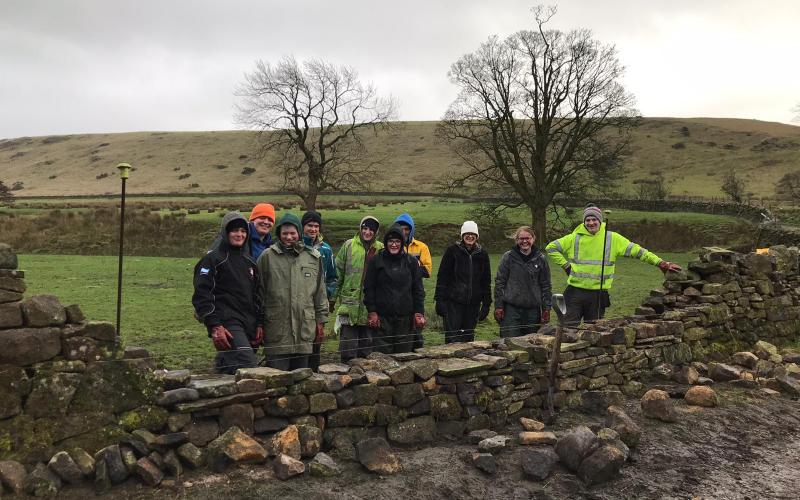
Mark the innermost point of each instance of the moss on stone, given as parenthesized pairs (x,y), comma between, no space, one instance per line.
(152,418)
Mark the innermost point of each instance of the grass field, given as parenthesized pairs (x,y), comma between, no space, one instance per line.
(157,312)
(176,233)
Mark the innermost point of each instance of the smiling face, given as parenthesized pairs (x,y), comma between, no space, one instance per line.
(469,239)
(288,235)
(525,241)
(367,234)
(592,224)
(237,237)
(311,230)
(263,225)
(394,245)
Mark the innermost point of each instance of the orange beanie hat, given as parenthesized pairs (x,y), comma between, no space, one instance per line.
(261,210)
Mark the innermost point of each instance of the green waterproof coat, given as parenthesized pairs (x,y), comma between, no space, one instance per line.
(351,267)
(582,251)
(293,284)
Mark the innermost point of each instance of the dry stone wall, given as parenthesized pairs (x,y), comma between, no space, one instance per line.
(66,386)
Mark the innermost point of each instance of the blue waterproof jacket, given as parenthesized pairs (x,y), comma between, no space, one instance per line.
(257,245)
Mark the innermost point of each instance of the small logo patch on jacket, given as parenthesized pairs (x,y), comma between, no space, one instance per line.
(204,270)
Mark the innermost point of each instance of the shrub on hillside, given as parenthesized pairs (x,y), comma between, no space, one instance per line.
(733,186)
(654,188)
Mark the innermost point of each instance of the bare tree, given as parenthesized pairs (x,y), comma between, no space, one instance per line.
(733,186)
(6,196)
(539,114)
(313,116)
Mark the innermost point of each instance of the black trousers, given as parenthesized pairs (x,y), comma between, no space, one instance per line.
(314,357)
(240,355)
(355,341)
(582,304)
(395,335)
(520,321)
(460,321)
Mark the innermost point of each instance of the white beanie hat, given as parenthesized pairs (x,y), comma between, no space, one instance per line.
(469,227)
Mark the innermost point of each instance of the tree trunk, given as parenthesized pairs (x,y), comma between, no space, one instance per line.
(539,223)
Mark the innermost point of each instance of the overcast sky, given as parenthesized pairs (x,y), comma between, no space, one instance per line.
(85,66)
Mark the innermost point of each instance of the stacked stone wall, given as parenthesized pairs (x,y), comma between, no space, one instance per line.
(63,380)
(66,384)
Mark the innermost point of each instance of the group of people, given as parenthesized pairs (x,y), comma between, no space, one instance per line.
(251,290)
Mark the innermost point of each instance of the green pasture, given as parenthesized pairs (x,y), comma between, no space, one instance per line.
(157,311)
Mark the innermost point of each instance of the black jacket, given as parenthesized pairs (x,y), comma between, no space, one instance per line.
(464,277)
(226,285)
(393,283)
(523,282)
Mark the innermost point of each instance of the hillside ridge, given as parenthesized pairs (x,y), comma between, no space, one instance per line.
(691,153)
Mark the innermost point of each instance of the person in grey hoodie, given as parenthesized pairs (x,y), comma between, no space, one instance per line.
(522,287)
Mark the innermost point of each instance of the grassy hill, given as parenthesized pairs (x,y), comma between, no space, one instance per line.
(692,154)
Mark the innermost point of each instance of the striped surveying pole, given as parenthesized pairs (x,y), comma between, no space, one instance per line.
(124,173)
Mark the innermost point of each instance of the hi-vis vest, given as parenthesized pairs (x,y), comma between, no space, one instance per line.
(583,252)
(351,266)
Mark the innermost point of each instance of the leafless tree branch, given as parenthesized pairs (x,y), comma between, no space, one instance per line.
(539,114)
(313,117)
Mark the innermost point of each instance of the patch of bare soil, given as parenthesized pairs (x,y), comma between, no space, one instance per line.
(747,448)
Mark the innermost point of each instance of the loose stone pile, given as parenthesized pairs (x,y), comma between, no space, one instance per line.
(596,457)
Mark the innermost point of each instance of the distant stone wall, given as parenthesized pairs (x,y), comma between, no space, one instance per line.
(66,384)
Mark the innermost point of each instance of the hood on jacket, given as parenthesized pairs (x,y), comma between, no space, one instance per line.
(395,230)
(289,218)
(375,222)
(405,218)
(221,241)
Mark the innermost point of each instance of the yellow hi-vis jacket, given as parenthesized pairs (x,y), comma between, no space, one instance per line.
(581,251)
(420,250)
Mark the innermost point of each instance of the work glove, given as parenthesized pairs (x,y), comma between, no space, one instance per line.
(320,333)
(668,266)
(440,310)
(256,342)
(331,306)
(373,321)
(419,320)
(499,314)
(545,315)
(567,269)
(484,311)
(221,338)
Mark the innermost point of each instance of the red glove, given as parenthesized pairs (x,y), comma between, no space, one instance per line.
(256,342)
(668,266)
(499,314)
(373,321)
(221,338)
(545,316)
(419,320)
(320,334)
